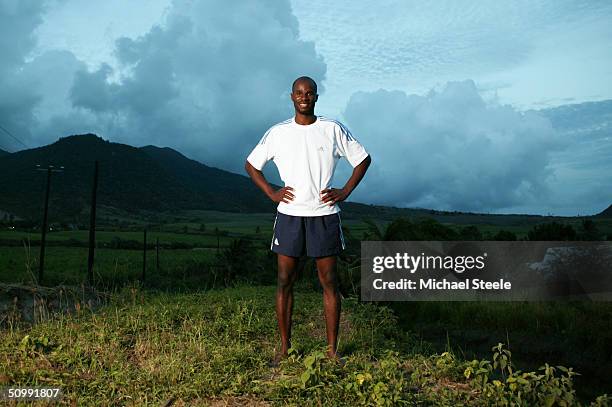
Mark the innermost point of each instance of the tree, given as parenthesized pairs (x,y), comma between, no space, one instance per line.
(397,229)
(237,259)
(552,231)
(430,229)
(590,231)
(504,235)
(470,233)
(403,229)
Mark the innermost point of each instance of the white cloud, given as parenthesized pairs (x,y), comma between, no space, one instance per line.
(208,82)
(208,79)
(451,150)
(89,29)
(415,46)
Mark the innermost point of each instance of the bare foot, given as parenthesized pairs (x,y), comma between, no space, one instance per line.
(275,362)
(336,357)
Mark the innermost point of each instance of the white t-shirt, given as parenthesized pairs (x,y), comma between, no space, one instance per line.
(306,157)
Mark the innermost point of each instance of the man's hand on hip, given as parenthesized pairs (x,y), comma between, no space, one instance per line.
(284,194)
(332,195)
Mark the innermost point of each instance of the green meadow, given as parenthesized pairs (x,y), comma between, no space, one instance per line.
(213,348)
(200,329)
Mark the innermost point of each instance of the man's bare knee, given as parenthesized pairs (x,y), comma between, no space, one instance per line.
(327,278)
(326,270)
(287,270)
(285,279)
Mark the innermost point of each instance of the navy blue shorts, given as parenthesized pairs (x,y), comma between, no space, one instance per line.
(315,236)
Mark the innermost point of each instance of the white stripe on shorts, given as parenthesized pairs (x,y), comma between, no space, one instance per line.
(273,230)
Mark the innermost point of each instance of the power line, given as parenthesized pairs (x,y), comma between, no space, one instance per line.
(15,138)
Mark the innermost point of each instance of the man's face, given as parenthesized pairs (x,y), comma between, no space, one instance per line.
(304,97)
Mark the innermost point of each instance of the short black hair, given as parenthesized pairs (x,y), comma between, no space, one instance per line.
(304,78)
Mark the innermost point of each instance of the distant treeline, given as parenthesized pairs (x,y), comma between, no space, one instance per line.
(403,229)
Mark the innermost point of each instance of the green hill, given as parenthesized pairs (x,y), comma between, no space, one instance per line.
(222,190)
(3,153)
(606,213)
(130,178)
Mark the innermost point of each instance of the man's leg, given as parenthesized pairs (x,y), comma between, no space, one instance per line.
(287,273)
(326,267)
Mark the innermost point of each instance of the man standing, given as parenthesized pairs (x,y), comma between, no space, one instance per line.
(306,149)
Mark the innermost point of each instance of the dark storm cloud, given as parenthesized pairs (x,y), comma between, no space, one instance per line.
(451,150)
(18,19)
(208,82)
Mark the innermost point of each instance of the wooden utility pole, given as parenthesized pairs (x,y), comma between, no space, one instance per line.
(92,226)
(43,237)
(144,256)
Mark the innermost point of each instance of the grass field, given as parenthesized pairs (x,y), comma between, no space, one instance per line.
(103,237)
(68,265)
(212,348)
(161,326)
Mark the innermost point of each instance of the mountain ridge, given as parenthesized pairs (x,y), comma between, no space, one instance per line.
(158,179)
(130,178)
(607,213)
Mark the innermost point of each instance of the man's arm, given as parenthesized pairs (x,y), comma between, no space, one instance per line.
(282,195)
(332,195)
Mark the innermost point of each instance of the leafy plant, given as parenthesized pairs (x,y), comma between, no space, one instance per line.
(502,359)
(314,370)
(543,388)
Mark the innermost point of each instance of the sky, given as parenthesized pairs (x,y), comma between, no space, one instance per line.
(447,96)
